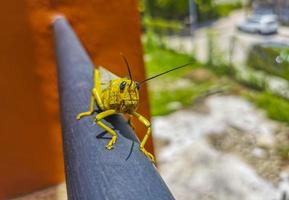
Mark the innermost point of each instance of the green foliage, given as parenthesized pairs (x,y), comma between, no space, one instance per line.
(225,9)
(159,60)
(167,9)
(161,26)
(283,151)
(284,55)
(270,59)
(151,41)
(222,69)
(161,100)
(276,107)
(253,82)
(205,10)
(208,10)
(156,29)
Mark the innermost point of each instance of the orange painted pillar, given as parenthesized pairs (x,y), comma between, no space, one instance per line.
(30,141)
(30,138)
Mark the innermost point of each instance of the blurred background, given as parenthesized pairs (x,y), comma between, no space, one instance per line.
(220,125)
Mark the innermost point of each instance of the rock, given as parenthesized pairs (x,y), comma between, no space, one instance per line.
(258,152)
(265,140)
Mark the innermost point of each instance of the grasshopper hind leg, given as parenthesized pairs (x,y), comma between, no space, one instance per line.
(144,140)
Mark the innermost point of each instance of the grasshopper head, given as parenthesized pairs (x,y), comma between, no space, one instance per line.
(127,92)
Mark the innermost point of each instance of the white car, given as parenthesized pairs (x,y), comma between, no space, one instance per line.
(264,24)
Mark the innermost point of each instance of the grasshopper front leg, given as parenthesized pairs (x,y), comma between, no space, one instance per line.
(144,140)
(98,119)
(91,110)
(95,97)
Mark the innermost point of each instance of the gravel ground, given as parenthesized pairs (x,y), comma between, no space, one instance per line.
(228,152)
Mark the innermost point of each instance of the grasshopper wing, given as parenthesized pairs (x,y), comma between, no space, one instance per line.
(105,77)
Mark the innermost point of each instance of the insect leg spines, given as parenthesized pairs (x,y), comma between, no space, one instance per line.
(98,119)
(144,140)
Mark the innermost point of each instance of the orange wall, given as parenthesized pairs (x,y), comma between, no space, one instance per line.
(30,138)
(30,145)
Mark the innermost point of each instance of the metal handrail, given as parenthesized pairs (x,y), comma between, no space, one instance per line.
(92,172)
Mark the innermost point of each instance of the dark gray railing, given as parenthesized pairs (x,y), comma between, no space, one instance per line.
(92,172)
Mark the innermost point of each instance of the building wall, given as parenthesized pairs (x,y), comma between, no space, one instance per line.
(30,138)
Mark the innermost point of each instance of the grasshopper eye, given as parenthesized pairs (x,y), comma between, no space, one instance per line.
(137,85)
(122,85)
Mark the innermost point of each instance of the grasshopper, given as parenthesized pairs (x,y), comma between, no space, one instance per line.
(115,95)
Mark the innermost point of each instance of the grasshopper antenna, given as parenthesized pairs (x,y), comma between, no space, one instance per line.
(165,72)
(129,72)
(127,65)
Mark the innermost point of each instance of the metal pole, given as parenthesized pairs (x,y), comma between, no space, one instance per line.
(92,172)
(193,16)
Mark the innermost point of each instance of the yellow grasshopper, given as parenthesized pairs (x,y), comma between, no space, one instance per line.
(118,95)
